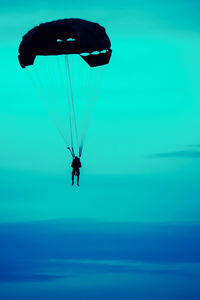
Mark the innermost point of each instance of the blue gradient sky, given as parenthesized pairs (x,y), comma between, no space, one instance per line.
(131,231)
(140,161)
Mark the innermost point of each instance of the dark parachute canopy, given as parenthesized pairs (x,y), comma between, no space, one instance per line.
(52,55)
(67,36)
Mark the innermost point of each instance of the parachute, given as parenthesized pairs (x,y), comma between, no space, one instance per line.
(65,59)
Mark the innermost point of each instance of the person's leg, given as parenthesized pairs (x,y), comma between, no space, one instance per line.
(73,173)
(78,173)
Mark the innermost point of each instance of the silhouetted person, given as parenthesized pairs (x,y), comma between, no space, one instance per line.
(76,165)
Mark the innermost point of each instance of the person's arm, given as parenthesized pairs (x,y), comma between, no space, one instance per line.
(72,154)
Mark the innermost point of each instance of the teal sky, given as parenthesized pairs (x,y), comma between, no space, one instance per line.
(141,159)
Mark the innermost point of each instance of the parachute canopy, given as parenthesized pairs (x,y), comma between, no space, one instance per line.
(67,36)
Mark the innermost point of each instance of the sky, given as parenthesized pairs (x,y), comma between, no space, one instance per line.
(131,230)
(141,154)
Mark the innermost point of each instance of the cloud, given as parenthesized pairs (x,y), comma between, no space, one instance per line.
(49,270)
(27,277)
(178,154)
(195,145)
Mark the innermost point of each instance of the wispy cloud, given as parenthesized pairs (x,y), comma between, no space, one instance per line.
(47,269)
(178,154)
(27,277)
(195,145)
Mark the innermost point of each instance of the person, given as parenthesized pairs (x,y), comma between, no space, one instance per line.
(76,165)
